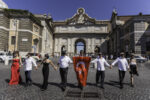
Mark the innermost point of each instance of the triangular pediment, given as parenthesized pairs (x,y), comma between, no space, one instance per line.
(80,18)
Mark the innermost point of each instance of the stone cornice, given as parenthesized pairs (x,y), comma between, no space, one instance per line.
(19,30)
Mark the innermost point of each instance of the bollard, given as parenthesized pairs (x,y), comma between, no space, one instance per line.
(6,60)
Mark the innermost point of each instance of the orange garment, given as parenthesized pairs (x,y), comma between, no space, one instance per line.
(81,66)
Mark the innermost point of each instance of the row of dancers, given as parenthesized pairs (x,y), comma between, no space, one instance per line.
(64,63)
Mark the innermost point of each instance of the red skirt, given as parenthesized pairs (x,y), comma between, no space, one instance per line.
(15,74)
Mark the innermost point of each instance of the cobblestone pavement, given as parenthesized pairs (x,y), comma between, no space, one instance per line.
(141,91)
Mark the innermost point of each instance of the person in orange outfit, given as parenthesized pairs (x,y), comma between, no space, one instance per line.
(81,65)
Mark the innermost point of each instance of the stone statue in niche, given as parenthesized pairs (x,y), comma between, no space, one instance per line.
(80,19)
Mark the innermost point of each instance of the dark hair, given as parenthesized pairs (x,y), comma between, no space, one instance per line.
(132,57)
(63,52)
(81,51)
(46,56)
(100,53)
(28,54)
(15,52)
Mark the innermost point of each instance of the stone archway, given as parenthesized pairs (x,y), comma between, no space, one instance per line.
(80,44)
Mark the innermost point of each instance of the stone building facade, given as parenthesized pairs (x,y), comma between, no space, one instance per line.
(83,29)
(20,30)
(47,34)
(23,31)
(130,34)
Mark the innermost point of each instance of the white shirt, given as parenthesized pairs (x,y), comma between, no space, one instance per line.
(122,63)
(100,63)
(64,61)
(28,63)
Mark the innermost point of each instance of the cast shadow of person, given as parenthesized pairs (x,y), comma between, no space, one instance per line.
(49,83)
(115,83)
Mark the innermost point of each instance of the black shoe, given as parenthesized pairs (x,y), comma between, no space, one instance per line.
(43,89)
(63,89)
(132,85)
(102,87)
(121,87)
(81,87)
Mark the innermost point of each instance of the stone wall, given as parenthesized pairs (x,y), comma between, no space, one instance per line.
(4,32)
(91,41)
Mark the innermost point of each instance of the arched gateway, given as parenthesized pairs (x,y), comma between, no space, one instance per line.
(80,45)
(80,32)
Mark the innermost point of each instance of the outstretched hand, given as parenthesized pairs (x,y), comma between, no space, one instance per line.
(55,67)
(36,68)
(110,67)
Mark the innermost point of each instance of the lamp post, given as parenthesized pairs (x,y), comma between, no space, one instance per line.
(15,23)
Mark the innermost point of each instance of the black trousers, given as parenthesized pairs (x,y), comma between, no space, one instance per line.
(45,72)
(63,74)
(121,77)
(28,77)
(102,75)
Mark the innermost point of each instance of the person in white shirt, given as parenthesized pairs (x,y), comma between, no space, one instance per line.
(123,66)
(101,62)
(28,68)
(64,62)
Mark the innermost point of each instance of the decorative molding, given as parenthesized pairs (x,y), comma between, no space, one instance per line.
(21,30)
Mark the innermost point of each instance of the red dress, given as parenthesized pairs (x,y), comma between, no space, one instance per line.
(15,73)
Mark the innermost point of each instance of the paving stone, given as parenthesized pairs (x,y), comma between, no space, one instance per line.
(141,91)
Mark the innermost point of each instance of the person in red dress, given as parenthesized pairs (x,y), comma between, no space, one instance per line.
(15,69)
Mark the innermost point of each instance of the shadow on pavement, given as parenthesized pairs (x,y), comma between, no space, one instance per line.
(37,84)
(72,85)
(115,83)
(7,80)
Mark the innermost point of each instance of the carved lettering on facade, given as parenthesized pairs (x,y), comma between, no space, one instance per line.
(74,29)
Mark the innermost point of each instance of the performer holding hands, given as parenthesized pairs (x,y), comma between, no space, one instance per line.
(45,71)
(133,69)
(123,66)
(101,62)
(28,68)
(15,69)
(64,61)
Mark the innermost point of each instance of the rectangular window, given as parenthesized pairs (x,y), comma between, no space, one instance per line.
(13,40)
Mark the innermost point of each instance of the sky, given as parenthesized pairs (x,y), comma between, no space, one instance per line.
(98,9)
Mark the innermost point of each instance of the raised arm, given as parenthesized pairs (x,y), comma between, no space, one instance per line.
(116,61)
(52,64)
(106,63)
(70,61)
(20,61)
(94,61)
(126,63)
(34,63)
(59,61)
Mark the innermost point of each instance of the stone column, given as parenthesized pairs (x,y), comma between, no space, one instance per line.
(56,45)
(93,45)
